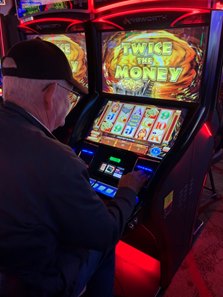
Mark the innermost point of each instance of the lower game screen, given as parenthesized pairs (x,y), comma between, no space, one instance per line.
(145,129)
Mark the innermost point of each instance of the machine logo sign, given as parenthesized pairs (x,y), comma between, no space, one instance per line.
(133,20)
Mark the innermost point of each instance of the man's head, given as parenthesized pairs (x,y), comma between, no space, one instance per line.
(38,69)
(39,59)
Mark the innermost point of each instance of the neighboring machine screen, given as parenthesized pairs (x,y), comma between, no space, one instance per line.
(144,129)
(27,8)
(160,64)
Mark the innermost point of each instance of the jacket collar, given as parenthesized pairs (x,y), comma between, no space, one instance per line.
(29,117)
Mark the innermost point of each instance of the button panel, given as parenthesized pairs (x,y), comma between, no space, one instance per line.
(103,188)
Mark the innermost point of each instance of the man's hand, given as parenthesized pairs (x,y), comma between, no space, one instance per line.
(134,180)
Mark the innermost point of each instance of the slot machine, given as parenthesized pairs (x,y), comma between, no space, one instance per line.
(157,80)
(66,24)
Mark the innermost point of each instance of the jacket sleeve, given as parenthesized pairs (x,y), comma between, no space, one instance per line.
(78,214)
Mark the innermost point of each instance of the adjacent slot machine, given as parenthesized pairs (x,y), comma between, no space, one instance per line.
(157,76)
(66,24)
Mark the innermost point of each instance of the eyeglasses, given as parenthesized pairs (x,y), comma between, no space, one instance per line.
(73,96)
(72,91)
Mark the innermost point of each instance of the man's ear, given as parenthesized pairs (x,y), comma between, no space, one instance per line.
(48,96)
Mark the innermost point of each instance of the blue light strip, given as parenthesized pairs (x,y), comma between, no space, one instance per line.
(87,152)
(144,168)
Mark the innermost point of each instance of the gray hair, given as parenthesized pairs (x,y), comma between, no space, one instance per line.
(22,90)
(19,90)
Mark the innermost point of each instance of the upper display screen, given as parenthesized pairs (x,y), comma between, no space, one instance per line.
(74,47)
(159,64)
(144,129)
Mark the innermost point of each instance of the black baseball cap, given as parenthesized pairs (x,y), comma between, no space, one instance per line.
(40,59)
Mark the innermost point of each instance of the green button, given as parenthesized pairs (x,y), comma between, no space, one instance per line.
(114,159)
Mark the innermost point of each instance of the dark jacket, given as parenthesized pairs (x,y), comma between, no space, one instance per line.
(49,214)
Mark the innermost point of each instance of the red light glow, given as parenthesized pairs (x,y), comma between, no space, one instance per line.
(91,5)
(1,39)
(120,4)
(137,274)
(206,131)
(219,5)
(110,23)
(127,3)
(138,11)
(71,22)
(205,180)
(185,19)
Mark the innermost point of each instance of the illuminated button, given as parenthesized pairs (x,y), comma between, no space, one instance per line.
(118,175)
(101,188)
(92,181)
(144,168)
(118,172)
(102,167)
(87,152)
(110,169)
(95,185)
(104,189)
(166,149)
(155,151)
(114,159)
(109,191)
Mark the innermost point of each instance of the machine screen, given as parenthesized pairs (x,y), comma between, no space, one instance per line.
(145,129)
(160,64)
(27,8)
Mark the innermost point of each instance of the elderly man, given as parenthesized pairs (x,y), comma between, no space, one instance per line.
(57,237)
